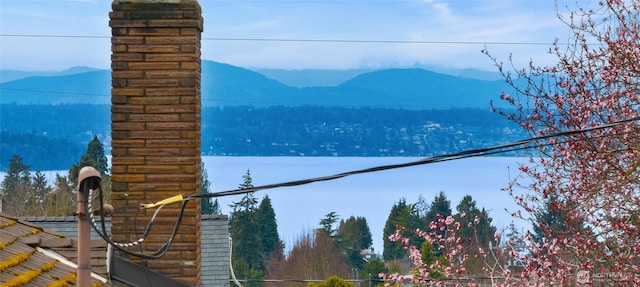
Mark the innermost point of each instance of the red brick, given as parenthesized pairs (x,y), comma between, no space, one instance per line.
(167,40)
(180,91)
(154,117)
(154,83)
(127,92)
(156,160)
(127,126)
(171,57)
(175,23)
(127,40)
(119,99)
(153,31)
(149,169)
(171,126)
(156,14)
(174,178)
(127,109)
(127,74)
(154,65)
(170,109)
(190,31)
(127,160)
(144,134)
(127,23)
(118,48)
(128,177)
(155,151)
(144,48)
(190,66)
(128,57)
(189,48)
(171,74)
(171,143)
(127,143)
(165,186)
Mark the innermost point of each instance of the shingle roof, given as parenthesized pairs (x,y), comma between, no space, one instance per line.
(28,256)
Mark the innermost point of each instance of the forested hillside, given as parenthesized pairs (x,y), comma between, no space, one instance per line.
(332,131)
(50,137)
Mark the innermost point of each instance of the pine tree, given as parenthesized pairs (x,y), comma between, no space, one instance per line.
(62,200)
(327,224)
(245,234)
(16,187)
(471,231)
(403,215)
(440,206)
(95,151)
(476,232)
(354,236)
(207,205)
(272,247)
(94,157)
(40,187)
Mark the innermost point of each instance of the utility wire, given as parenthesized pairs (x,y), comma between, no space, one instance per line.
(302,40)
(517,145)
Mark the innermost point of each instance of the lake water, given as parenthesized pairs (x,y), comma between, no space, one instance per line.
(299,209)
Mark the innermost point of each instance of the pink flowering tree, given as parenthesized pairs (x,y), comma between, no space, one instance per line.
(443,236)
(591,179)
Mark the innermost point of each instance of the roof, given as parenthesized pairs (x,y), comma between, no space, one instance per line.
(33,256)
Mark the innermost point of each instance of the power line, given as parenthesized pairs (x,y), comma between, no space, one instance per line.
(512,146)
(302,40)
(517,145)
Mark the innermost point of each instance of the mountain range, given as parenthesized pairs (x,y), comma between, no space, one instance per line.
(224,85)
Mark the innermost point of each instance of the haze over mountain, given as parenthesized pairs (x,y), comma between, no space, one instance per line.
(11,75)
(224,84)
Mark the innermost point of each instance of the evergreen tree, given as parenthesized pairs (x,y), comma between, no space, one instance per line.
(245,233)
(327,224)
(515,242)
(16,187)
(354,236)
(401,215)
(247,181)
(482,230)
(439,206)
(95,152)
(62,200)
(476,231)
(272,247)
(207,205)
(40,188)
(94,157)
(551,221)
(354,233)
(372,269)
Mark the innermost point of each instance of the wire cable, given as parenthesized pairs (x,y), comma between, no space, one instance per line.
(513,146)
(302,40)
(441,158)
(102,232)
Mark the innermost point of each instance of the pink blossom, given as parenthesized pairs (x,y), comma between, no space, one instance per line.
(449,220)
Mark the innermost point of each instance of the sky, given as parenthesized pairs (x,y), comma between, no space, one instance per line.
(46,35)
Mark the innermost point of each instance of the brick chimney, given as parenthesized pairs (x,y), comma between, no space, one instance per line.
(155,116)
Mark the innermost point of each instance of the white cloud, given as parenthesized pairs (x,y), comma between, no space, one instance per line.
(420,20)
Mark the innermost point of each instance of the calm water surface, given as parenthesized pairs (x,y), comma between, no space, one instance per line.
(300,208)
